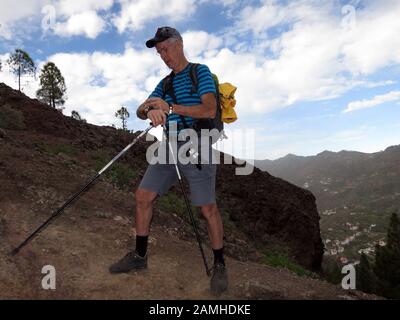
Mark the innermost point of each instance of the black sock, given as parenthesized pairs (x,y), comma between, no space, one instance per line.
(219,256)
(141,245)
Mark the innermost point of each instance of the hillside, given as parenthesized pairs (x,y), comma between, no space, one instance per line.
(355,192)
(46,157)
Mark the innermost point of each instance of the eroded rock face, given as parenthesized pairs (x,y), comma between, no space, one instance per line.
(273,212)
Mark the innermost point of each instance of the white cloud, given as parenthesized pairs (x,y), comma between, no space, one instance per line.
(73,17)
(305,51)
(79,17)
(199,42)
(376,101)
(99,83)
(88,23)
(71,7)
(136,13)
(377,84)
(11,12)
(374,42)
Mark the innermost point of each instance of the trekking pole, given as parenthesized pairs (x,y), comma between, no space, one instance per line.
(188,205)
(76,195)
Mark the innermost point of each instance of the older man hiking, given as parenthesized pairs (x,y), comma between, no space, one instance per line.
(184,107)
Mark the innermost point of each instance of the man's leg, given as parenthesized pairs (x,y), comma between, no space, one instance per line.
(156,181)
(144,210)
(214,225)
(219,280)
(137,259)
(144,213)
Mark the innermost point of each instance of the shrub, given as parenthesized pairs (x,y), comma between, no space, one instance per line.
(11,118)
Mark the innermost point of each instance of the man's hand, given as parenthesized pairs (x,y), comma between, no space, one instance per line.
(157,117)
(158,103)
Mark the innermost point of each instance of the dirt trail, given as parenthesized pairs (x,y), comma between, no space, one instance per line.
(82,248)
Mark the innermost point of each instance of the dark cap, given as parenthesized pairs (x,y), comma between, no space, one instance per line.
(163,34)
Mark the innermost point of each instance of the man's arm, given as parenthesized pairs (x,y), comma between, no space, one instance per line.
(207,108)
(140,112)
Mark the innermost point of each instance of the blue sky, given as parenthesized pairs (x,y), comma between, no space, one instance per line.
(311,75)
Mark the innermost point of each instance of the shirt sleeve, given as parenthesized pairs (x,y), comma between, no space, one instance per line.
(205,79)
(158,92)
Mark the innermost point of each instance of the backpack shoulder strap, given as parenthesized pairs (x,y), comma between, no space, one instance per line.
(193,77)
(167,86)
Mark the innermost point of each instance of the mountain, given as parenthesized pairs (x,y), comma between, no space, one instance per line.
(46,157)
(356,192)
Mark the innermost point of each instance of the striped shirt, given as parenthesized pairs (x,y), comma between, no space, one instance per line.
(182,84)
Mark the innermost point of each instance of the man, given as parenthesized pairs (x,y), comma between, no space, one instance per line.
(158,178)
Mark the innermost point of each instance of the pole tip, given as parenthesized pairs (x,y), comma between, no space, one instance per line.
(14,252)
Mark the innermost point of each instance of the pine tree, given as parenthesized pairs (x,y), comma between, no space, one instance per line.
(365,277)
(20,64)
(387,262)
(52,86)
(75,115)
(122,114)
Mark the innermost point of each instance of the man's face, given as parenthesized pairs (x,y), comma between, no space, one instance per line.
(168,51)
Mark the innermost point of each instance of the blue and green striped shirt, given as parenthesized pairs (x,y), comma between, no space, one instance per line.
(182,84)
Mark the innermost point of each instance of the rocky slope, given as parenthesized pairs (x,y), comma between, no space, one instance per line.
(50,156)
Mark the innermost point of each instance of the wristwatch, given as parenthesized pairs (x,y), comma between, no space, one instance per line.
(171,107)
(147,109)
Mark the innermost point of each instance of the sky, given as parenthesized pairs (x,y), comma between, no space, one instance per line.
(312,75)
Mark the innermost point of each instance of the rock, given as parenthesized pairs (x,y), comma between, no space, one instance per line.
(255,291)
(122,220)
(153,241)
(104,215)
(2,134)
(2,226)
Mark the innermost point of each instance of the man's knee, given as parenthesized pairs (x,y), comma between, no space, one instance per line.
(144,198)
(209,210)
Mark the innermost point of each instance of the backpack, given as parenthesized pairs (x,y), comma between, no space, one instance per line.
(215,123)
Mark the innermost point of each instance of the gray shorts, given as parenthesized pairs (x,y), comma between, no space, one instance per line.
(160,177)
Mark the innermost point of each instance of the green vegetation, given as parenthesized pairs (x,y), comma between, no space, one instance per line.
(365,277)
(75,115)
(11,118)
(380,274)
(371,228)
(387,262)
(119,174)
(281,260)
(173,203)
(21,64)
(52,86)
(56,149)
(331,270)
(123,114)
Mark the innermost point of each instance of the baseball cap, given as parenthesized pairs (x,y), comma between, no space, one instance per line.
(162,34)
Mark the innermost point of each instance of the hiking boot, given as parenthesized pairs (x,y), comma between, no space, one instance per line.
(132,261)
(219,279)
